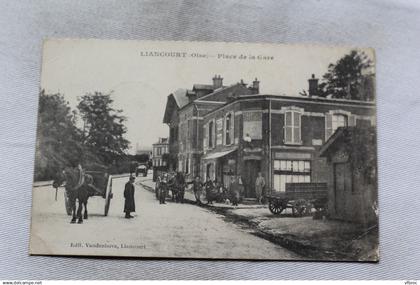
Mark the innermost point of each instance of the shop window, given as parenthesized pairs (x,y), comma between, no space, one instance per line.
(290,171)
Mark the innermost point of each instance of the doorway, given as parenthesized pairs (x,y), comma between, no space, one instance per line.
(251,169)
(342,187)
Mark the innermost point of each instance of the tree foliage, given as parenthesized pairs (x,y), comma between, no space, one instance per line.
(58,139)
(142,158)
(349,78)
(98,145)
(103,126)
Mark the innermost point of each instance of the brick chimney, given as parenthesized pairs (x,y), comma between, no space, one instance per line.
(256,86)
(191,96)
(313,86)
(217,81)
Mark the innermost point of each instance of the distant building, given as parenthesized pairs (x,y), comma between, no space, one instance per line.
(159,149)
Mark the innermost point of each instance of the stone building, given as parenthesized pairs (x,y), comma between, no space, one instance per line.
(160,148)
(184,113)
(279,136)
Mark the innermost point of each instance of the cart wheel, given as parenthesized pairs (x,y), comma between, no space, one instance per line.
(67,203)
(275,207)
(299,208)
(108,198)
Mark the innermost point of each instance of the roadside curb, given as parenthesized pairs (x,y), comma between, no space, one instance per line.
(280,240)
(288,241)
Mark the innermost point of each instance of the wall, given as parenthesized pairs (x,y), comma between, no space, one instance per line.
(355,203)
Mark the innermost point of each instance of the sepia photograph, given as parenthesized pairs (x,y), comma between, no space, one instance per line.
(206,150)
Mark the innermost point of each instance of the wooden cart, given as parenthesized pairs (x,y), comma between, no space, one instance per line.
(101,187)
(300,197)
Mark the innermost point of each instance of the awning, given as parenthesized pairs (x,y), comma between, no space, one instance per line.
(215,155)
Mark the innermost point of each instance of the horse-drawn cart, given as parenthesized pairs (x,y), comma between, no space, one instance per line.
(300,197)
(173,182)
(99,184)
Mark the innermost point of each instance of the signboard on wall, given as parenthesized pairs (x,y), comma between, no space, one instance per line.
(292,155)
(253,125)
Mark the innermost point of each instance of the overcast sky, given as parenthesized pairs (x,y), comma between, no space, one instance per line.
(141,84)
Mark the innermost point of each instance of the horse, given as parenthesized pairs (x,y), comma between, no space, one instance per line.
(161,187)
(177,186)
(77,187)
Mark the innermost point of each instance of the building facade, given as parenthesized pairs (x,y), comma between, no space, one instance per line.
(159,149)
(279,136)
(184,113)
(219,131)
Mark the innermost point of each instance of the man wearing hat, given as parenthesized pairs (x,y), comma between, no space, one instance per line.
(129,205)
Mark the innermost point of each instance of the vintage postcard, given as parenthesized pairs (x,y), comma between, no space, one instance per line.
(206,150)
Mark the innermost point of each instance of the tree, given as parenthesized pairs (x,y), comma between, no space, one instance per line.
(348,78)
(142,158)
(58,140)
(103,127)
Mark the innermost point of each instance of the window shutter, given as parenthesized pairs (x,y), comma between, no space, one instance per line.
(352,121)
(288,127)
(214,134)
(236,131)
(224,130)
(232,128)
(328,126)
(205,136)
(296,127)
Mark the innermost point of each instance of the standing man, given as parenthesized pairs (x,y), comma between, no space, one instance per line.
(163,185)
(197,186)
(234,191)
(259,187)
(129,205)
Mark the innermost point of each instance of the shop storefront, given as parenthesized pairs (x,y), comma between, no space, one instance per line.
(220,166)
(290,167)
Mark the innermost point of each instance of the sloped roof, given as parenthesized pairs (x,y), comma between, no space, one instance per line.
(180,97)
(175,101)
(203,86)
(348,135)
(223,90)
